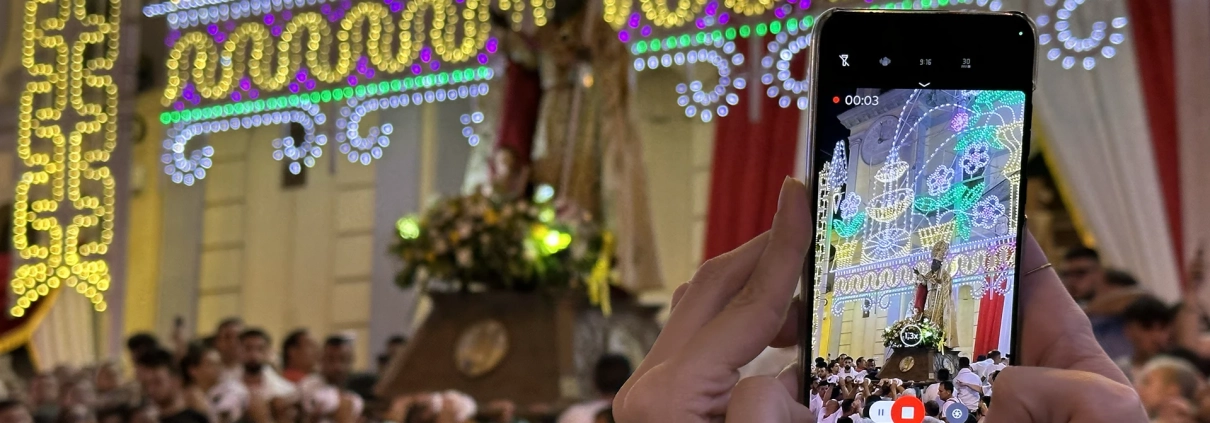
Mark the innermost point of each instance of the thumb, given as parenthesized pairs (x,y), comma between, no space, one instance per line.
(767,399)
(1037,394)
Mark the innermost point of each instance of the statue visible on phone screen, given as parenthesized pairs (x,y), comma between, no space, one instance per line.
(938,304)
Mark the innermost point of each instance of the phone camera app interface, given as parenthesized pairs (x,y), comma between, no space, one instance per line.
(917,201)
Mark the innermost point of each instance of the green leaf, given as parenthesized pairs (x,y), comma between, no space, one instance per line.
(848,228)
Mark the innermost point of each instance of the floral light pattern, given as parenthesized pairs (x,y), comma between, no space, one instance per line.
(940,181)
(975,157)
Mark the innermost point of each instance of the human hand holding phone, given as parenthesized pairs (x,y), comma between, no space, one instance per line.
(732,308)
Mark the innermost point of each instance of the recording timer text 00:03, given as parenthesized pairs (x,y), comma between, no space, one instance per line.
(857,100)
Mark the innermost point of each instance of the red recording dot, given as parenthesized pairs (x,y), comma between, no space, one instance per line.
(836,100)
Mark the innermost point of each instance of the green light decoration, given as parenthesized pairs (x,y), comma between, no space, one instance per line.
(408,227)
(850,227)
(959,199)
(335,94)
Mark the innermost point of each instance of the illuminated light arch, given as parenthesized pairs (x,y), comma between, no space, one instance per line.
(66,191)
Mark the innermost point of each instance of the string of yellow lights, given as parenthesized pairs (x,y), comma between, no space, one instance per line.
(307,39)
(66,175)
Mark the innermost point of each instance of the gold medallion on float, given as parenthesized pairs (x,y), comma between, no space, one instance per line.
(906,364)
(480,348)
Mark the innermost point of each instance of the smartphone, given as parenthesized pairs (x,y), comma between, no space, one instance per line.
(919,128)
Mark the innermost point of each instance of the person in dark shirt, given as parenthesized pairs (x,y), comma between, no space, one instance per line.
(164,387)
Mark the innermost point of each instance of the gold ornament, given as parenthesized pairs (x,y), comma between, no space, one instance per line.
(480,348)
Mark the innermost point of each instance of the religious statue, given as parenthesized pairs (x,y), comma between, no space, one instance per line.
(938,303)
(587,144)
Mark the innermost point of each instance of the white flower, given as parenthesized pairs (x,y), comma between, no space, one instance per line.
(464,257)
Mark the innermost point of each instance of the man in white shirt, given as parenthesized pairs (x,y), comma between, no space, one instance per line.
(256,344)
(946,392)
(968,386)
(930,393)
(226,342)
(323,399)
(201,370)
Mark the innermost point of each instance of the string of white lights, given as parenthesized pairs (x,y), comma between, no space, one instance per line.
(1065,47)
(366,149)
(782,51)
(187,167)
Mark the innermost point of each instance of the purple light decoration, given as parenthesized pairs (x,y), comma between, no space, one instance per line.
(804,4)
(634,20)
(178,106)
(459,1)
(353,80)
(346,4)
(396,7)
(310,84)
(230,26)
(701,24)
(212,29)
(723,18)
(254,94)
(416,69)
(712,8)
(482,59)
(293,87)
(623,36)
(245,84)
(362,68)
(276,30)
(646,31)
(286,15)
(426,55)
(302,76)
(492,45)
(325,9)
(369,73)
(269,19)
(220,37)
(435,65)
(959,121)
(235,96)
(780,13)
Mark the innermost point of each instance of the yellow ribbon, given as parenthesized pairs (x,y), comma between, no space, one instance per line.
(598,280)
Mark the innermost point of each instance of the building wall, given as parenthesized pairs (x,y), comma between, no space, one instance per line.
(285,258)
(678,153)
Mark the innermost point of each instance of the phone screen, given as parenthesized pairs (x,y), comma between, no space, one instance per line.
(920,131)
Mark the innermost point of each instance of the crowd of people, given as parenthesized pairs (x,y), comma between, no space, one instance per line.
(846,391)
(235,376)
(1163,349)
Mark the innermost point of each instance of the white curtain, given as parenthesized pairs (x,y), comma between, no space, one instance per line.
(1097,130)
(66,335)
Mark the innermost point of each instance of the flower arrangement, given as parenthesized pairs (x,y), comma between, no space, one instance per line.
(494,243)
(913,332)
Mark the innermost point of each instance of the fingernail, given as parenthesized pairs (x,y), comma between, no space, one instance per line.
(786,186)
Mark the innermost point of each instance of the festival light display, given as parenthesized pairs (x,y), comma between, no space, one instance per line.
(1062,44)
(238,64)
(974,143)
(63,209)
(660,37)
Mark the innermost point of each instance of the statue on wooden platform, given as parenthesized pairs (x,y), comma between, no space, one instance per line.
(938,305)
(587,144)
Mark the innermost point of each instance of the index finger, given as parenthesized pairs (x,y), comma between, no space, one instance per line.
(754,317)
(1055,332)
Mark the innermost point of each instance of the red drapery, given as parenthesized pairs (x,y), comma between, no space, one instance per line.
(1151,23)
(519,114)
(991,315)
(751,159)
